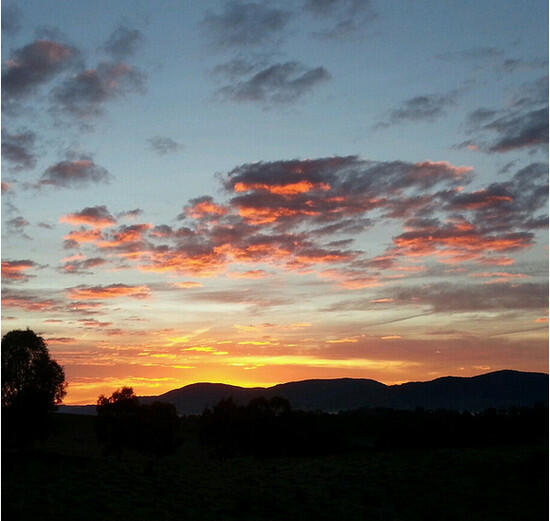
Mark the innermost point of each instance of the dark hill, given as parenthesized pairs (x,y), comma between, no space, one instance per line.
(499,389)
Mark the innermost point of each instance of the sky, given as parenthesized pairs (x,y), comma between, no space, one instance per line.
(261,192)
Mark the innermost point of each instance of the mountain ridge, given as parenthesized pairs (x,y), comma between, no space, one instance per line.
(497,389)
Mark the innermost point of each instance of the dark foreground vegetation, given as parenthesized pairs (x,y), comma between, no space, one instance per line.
(266,462)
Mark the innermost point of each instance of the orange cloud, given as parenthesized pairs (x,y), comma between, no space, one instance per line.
(457,171)
(83,236)
(286,189)
(95,216)
(251,274)
(204,208)
(112,291)
(14,270)
(187,284)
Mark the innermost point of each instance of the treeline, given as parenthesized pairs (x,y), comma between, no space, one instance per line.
(389,428)
(270,428)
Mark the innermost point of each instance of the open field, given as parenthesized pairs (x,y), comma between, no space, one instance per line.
(67,477)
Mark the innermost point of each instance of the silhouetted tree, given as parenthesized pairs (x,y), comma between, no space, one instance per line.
(32,385)
(123,423)
(158,429)
(118,420)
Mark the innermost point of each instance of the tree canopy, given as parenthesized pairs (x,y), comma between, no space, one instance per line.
(32,384)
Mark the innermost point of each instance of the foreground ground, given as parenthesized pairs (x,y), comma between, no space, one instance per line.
(67,477)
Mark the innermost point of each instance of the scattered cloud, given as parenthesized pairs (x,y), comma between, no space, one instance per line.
(33,65)
(164,145)
(473,53)
(84,95)
(17,150)
(241,24)
(428,107)
(276,84)
(130,214)
(342,18)
(107,292)
(11,19)
(74,172)
(123,42)
(17,225)
(522,125)
(81,267)
(95,216)
(15,270)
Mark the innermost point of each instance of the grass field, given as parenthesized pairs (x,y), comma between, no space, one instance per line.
(67,477)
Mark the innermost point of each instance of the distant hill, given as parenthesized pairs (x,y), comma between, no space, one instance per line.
(498,389)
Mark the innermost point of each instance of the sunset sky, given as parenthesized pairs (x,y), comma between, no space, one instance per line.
(254,193)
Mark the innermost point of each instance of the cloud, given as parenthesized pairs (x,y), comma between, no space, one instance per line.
(83,235)
(242,24)
(130,214)
(345,17)
(455,298)
(123,42)
(523,125)
(17,149)
(81,267)
(108,292)
(11,19)
(34,65)
(473,53)
(304,215)
(164,145)
(427,107)
(74,173)
(525,130)
(95,216)
(85,94)
(276,84)
(15,270)
(17,226)
(446,297)
(27,301)
(250,274)
(203,207)
(515,64)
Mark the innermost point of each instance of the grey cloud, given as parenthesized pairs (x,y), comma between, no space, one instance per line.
(516,64)
(277,84)
(130,213)
(457,298)
(73,173)
(84,94)
(474,53)
(468,298)
(17,149)
(33,65)
(526,130)
(81,267)
(428,107)
(17,226)
(123,42)
(522,125)
(345,17)
(11,19)
(245,24)
(237,67)
(163,145)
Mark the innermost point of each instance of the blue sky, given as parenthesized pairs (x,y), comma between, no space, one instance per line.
(345,164)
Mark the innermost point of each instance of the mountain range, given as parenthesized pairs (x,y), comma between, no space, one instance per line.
(498,389)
